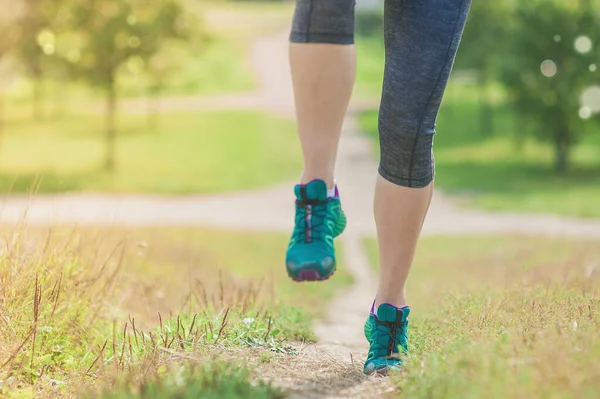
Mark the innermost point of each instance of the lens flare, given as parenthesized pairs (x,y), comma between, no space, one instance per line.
(590,98)
(548,68)
(585,113)
(583,44)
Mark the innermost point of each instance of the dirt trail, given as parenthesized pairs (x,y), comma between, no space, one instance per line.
(331,368)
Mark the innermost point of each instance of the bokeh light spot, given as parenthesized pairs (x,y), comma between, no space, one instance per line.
(45,38)
(585,113)
(134,42)
(593,68)
(74,55)
(48,49)
(590,98)
(548,68)
(557,38)
(583,44)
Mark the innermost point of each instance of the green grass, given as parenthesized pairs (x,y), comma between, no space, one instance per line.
(89,308)
(369,67)
(497,173)
(502,317)
(508,170)
(190,153)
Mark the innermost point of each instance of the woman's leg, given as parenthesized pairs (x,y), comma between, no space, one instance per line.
(322,60)
(422,37)
(421,40)
(323,65)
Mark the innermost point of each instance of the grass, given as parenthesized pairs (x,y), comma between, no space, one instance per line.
(501,317)
(89,310)
(507,170)
(217,380)
(199,152)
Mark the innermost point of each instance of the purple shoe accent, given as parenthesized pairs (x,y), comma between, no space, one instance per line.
(374,311)
(389,304)
(310,275)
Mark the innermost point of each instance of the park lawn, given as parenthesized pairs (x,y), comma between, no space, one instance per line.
(199,152)
(508,170)
(504,171)
(503,317)
(145,310)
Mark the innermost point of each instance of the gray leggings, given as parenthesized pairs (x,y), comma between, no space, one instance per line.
(421,40)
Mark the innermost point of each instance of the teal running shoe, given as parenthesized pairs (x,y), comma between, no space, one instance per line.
(386,330)
(311,254)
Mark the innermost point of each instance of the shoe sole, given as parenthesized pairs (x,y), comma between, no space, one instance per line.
(310,275)
(382,372)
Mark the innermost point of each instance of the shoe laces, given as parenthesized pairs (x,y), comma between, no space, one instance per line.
(311,217)
(391,330)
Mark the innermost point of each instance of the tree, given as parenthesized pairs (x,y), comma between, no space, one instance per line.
(160,68)
(108,33)
(482,46)
(9,32)
(552,62)
(37,43)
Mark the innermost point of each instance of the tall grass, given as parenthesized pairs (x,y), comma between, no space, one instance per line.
(503,317)
(79,311)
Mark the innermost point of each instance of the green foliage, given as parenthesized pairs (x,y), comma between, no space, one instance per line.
(493,173)
(106,34)
(37,42)
(9,29)
(546,74)
(485,36)
(369,22)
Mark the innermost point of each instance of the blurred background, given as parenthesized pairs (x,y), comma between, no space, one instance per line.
(164,130)
(125,96)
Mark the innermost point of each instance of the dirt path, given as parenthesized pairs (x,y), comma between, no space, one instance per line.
(341,350)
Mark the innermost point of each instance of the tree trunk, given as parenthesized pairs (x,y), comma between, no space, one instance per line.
(111,125)
(1,117)
(561,144)
(38,97)
(520,130)
(486,118)
(60,97)
(153,104)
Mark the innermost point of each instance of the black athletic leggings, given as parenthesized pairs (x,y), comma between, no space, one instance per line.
(421,40)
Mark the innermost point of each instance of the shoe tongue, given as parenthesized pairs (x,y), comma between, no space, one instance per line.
(391,314)
(315,190)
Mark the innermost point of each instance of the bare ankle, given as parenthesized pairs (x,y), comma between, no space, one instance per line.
(326,177)
(394,300)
